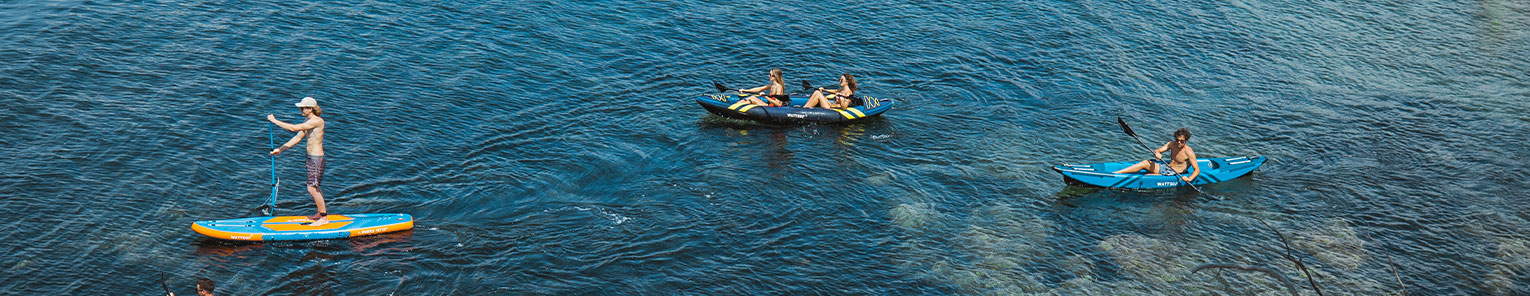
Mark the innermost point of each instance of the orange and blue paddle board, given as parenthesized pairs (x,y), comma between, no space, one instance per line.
(287,228)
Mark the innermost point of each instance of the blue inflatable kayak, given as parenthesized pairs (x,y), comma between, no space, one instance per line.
(732,106)
(1213,170)
(283,228)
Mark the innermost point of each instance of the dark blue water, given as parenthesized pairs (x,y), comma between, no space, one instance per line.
(553,147)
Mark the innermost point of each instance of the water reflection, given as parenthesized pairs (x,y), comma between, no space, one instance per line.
(1072,191)
(776,156)
(217,252)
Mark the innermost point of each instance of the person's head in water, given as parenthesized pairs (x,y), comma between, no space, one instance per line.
(775,76)
(204,287)
(310,105)
(848,81)
(1182,136)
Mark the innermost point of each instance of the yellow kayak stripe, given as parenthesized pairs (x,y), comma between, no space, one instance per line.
(736,105)
(846,114)
(857,112)
(746,108)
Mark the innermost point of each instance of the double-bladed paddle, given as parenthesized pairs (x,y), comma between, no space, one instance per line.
(806,87)
(1161,162)
(809,87)
(720,87)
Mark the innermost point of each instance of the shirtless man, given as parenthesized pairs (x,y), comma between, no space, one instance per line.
(1180,156)
(313,128)
(204,288)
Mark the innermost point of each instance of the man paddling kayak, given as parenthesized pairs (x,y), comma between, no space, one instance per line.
(1180,157)
(312,128)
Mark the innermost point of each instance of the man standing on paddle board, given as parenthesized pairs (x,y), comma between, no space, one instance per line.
(1180,157)
(313,128)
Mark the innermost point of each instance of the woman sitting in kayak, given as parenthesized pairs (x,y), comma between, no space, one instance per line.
(775,92)
(844,97)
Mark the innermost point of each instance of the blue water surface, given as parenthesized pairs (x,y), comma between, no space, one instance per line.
(553,147)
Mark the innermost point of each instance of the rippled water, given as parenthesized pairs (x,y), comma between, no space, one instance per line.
(552,147)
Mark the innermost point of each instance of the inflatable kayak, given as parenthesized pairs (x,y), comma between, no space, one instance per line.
(1213,170)
(283,228)
(732,106)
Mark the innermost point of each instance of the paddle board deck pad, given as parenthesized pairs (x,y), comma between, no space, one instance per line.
(1213,170)
(286,228)
(733,106)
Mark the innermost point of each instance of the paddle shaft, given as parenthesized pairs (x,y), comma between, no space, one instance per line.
(724,89)
(1161,162)
(162,284)
(269,208)
(271,134)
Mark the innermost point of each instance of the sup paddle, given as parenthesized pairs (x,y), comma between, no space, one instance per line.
(1161,162)
(809,87)
(269,208)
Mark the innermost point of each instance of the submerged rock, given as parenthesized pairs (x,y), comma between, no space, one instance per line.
(1006,232)
(1079,266)
(1013,223)
(879,179)
(1515,253)
(1335,244)
(983,281)
(991,255)
(913,215)
(1148,259)
(1513,262)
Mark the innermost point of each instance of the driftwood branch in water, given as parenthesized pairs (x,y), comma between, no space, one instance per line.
(1299,264)
(1390,265)
(1395,275)
(1283,280)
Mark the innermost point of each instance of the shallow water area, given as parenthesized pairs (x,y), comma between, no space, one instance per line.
(555,147)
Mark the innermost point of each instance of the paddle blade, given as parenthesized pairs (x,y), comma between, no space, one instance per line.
(270,207)
(720,87)
(806,86)
(1125,127)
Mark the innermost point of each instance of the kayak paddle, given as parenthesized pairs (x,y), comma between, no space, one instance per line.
(1161,162)
(809,87)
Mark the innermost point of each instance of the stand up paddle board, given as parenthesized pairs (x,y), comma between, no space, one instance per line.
(285,228)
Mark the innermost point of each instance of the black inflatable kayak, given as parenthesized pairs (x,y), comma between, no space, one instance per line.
(733,106)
